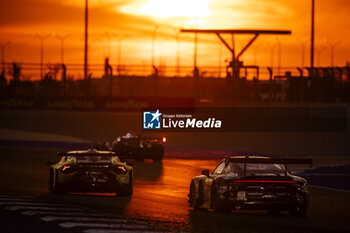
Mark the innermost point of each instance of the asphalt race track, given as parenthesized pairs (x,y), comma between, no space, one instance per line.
(159,201)
(28,139)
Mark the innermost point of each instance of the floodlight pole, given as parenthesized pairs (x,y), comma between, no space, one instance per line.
(319,52)
(302,45)
(332,51)
(312,35)
(86,42)
(154,35)
(62,39)
(3,54)
(279,56)
(195,49)
(195,68)
(42,38)
(219,63)
(177,52)
(108,45)
(120,40)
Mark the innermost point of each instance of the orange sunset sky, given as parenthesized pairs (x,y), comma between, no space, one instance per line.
(136,20)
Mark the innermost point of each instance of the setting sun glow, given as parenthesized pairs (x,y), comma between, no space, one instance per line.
(143,32)
(170,8)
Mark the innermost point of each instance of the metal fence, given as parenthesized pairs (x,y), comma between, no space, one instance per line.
(36,71)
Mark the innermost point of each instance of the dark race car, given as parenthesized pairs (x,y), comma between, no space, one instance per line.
(134,146)
(90,171)
(251,182)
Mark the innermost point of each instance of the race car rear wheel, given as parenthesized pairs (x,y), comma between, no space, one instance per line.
(54,185)
(298,210)
(158,153)
(127,190)
(51,188)
(218,205)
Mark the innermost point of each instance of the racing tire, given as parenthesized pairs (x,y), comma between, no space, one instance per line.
(196,202)
(127,190)
(51,188)
(158,153)
(219,206)
(199,200)
(298,210)
(192,194)
(55,188)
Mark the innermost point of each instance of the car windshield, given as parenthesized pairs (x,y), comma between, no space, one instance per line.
(132,141)
(95,159)
(258,169)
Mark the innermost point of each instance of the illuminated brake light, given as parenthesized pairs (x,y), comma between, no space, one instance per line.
(121,168)
(65,168)
(164,139)
(265,181)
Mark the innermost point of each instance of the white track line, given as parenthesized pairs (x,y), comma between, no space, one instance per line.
(15,199)
(21,207)
(120,231)
(29,203)
(79,214)
(82,219)
(7,195)
(102,225)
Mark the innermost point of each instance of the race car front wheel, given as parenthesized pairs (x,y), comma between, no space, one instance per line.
(194,201)
(192,195)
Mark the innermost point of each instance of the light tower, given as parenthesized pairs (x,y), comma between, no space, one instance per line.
(3,45)
(42,39)
(86,42)
(312,34)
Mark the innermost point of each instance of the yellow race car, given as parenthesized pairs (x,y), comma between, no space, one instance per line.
(251,182)
(90,171)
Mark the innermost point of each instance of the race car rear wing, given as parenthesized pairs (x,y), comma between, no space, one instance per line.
(284,161)
(110,153)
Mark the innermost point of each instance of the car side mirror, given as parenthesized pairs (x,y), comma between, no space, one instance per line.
(205,172)
(50,163)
